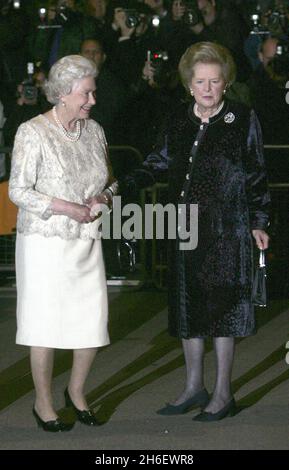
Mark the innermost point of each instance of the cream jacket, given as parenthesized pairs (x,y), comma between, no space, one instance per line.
(45,164)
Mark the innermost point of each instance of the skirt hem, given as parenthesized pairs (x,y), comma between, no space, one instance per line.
(38,345)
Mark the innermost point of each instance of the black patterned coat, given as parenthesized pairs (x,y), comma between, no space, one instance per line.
(219,166)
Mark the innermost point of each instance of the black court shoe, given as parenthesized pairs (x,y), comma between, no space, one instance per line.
(199,399)
(83,416)
(228,410)
(55,425)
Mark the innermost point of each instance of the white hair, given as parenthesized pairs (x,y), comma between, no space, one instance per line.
(64,73)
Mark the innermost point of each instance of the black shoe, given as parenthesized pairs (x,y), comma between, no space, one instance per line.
(199,399)
(228,410)
(84,416)
(55,425)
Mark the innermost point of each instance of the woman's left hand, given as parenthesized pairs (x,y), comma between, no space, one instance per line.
(262,239)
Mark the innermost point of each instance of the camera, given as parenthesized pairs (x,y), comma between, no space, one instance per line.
(62,14)
(162,67)
(157,58)
(192,14)
(133,18)
(272,22)
(277,22)
(30,91)
(280,62)
(257,27)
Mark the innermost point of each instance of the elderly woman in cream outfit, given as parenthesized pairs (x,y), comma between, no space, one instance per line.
(60,177)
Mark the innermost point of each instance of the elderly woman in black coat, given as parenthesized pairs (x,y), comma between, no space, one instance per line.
(212,149)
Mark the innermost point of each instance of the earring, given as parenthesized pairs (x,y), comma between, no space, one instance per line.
(224,91)
(191,91)
(63,104)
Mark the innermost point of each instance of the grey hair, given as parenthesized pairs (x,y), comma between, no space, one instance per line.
(206,53)
(64,73)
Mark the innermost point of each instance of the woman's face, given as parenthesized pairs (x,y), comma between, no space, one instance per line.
(208,85)
(81,99)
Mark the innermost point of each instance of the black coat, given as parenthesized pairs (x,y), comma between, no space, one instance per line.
(210,286)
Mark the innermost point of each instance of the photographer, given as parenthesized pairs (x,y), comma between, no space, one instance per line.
(268,92)
(30,102)
(14,27)
(270,20)
(97,9)
(64,30)
(159,92)
(223,24)
(133,36)
(110,92)
(175,30)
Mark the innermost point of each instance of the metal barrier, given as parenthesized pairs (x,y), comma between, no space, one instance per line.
(152,253)
(278,252)
(123,258)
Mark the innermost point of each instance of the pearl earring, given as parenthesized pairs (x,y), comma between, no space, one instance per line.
(63,104)
(224,92)
(191,91)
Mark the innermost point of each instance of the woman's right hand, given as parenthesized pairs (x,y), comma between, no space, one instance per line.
(78,212)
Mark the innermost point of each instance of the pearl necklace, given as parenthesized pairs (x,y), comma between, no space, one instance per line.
(72,137)
(199,115)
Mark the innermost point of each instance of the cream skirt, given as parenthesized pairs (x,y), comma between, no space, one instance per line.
(61,293)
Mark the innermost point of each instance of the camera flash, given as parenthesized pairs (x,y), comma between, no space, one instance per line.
(42,13)
(30,68)
(279,50)
(155,21)
(16,4)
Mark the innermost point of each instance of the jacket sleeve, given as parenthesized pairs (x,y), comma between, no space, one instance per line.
(26,159)
(256,177)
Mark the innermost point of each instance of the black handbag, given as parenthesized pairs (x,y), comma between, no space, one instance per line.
(259,292)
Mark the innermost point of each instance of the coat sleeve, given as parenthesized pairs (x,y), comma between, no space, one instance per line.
(157,161)
(256,177)
(153,169)
(26,159)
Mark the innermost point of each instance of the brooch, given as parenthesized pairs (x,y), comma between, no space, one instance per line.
(230,117)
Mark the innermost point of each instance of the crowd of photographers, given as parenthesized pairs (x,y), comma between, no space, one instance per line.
(136,46)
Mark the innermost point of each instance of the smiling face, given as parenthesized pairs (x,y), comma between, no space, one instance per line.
(82,97)
(208,85)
